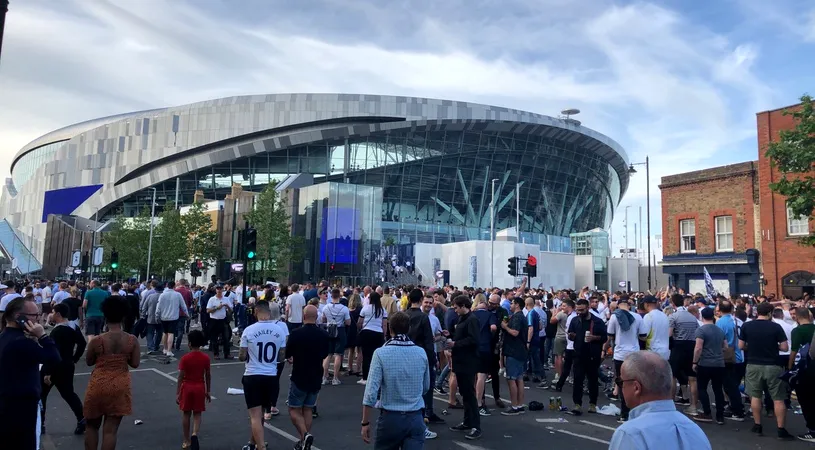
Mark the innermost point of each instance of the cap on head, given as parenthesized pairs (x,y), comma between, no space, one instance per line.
(650,299)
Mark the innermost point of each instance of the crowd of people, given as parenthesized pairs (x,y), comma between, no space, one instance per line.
(403,345)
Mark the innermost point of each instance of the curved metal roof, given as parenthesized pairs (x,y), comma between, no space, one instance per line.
(356,105)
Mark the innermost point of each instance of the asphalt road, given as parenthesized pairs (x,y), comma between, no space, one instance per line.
(226,426)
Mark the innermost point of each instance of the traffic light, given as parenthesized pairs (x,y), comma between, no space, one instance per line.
(195,268)
(114,259)
(331,269)
(531,266)
(513,266)
(250,243)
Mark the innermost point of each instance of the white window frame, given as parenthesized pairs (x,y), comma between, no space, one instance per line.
(797,226)
(724,233)
(682,236)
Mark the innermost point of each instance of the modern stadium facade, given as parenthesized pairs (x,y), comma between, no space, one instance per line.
(434,160)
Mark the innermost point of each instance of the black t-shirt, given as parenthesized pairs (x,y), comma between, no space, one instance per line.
(73,305)
(762,338)
(551,328)
(308,347)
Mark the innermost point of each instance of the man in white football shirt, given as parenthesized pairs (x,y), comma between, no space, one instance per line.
(262,346)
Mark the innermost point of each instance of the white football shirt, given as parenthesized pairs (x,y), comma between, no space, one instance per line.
(262,341)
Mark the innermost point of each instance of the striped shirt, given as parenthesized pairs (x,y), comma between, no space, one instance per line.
(684,326)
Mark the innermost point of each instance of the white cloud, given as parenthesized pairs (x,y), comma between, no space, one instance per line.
(658,83)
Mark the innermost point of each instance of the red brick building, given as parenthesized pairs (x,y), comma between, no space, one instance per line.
(788,268)
(710,221)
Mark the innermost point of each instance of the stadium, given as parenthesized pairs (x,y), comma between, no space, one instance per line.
(435,161)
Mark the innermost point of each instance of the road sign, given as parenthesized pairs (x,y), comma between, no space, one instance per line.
(14,263)
(75,258)
(98,253)
(630,250)
(622,283)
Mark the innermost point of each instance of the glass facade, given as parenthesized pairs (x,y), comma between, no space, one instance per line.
(436,184)
(31,161)
(594,243)
(342,230)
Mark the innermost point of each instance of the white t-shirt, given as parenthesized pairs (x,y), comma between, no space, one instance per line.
(214,302)
(7,299)
(788,331)
(262,341)
(336,313)
(283,327)
(296,303)
(656,326)
(37,295)
(60,296)
(369,322)
(625,342)
(46,294)
(569,342)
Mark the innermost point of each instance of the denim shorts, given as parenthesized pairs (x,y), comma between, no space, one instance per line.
(301,399)
(514,368)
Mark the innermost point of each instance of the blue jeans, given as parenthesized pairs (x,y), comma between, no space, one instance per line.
(154,333)
(443,376)
(180,332)
(547,349)
(399,430)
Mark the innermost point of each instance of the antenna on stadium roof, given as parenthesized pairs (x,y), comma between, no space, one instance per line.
(566,116)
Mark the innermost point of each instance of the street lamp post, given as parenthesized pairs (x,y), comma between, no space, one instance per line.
(625,253)
(150,243)
(632,170)
(492,235)
(93,240)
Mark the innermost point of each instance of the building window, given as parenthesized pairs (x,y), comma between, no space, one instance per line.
(724,234)
(687,234)
(797,226)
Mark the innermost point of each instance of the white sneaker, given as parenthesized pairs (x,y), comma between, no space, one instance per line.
(557,378)
(429,434)
(336,382)
(169,353)
(362,382)
(325,381)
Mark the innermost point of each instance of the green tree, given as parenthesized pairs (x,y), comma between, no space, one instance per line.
(130,237)
(277,248)
(793,154)
(170,253)
(202,243)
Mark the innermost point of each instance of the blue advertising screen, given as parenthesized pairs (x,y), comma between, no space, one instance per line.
(339,241)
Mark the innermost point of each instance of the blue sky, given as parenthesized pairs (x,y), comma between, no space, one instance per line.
(677,80)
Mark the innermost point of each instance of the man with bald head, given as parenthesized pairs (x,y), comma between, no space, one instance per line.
(306,350)
(653,422)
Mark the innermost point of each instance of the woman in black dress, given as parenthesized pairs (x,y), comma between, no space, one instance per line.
(355,307)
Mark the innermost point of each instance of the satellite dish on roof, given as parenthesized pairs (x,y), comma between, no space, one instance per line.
(570,112)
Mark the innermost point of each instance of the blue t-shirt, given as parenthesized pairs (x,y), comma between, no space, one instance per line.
(533,320)
(728,325)
(506,304)
(485,319)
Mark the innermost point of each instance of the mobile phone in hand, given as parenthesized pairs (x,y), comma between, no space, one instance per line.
(21,320)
